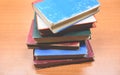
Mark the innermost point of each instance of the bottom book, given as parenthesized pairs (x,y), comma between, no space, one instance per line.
(58,62)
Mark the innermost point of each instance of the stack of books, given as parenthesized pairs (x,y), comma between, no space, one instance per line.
(60,32)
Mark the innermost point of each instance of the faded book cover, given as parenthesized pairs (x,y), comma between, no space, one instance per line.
(61,14)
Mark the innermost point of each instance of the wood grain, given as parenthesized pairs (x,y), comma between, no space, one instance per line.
(16,59)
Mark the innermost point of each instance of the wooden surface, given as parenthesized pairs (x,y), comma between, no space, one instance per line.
(16,59)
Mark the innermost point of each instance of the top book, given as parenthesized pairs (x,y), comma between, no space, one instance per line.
(60,14)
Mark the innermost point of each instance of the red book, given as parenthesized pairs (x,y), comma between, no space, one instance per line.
(50,63)
(31,43)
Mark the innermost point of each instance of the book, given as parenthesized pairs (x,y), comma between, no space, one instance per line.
(84,24)
(58,62)
(31,43)
(51,63)
(70,37)
(61,14)
(45,54)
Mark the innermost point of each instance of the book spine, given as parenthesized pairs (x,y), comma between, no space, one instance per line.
(53,47)
(62,39)
(59,57)
(67,62)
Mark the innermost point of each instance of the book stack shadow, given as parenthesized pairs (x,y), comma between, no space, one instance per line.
(60,32)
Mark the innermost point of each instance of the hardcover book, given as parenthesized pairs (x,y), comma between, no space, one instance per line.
(31,43)
(47,54)
(70,37)
(61,14)
(51,63)
(84,24)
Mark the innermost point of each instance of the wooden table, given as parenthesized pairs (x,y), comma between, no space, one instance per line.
(16,59)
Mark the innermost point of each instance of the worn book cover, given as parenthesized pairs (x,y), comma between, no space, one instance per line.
(61,14)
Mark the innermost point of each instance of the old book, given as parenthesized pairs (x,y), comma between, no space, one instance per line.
(45,54)
(58,62)
(31,43)
(84,24)
(61,14)
(70,37)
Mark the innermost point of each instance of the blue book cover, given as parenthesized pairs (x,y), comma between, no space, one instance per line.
(60,54)
(56,13)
